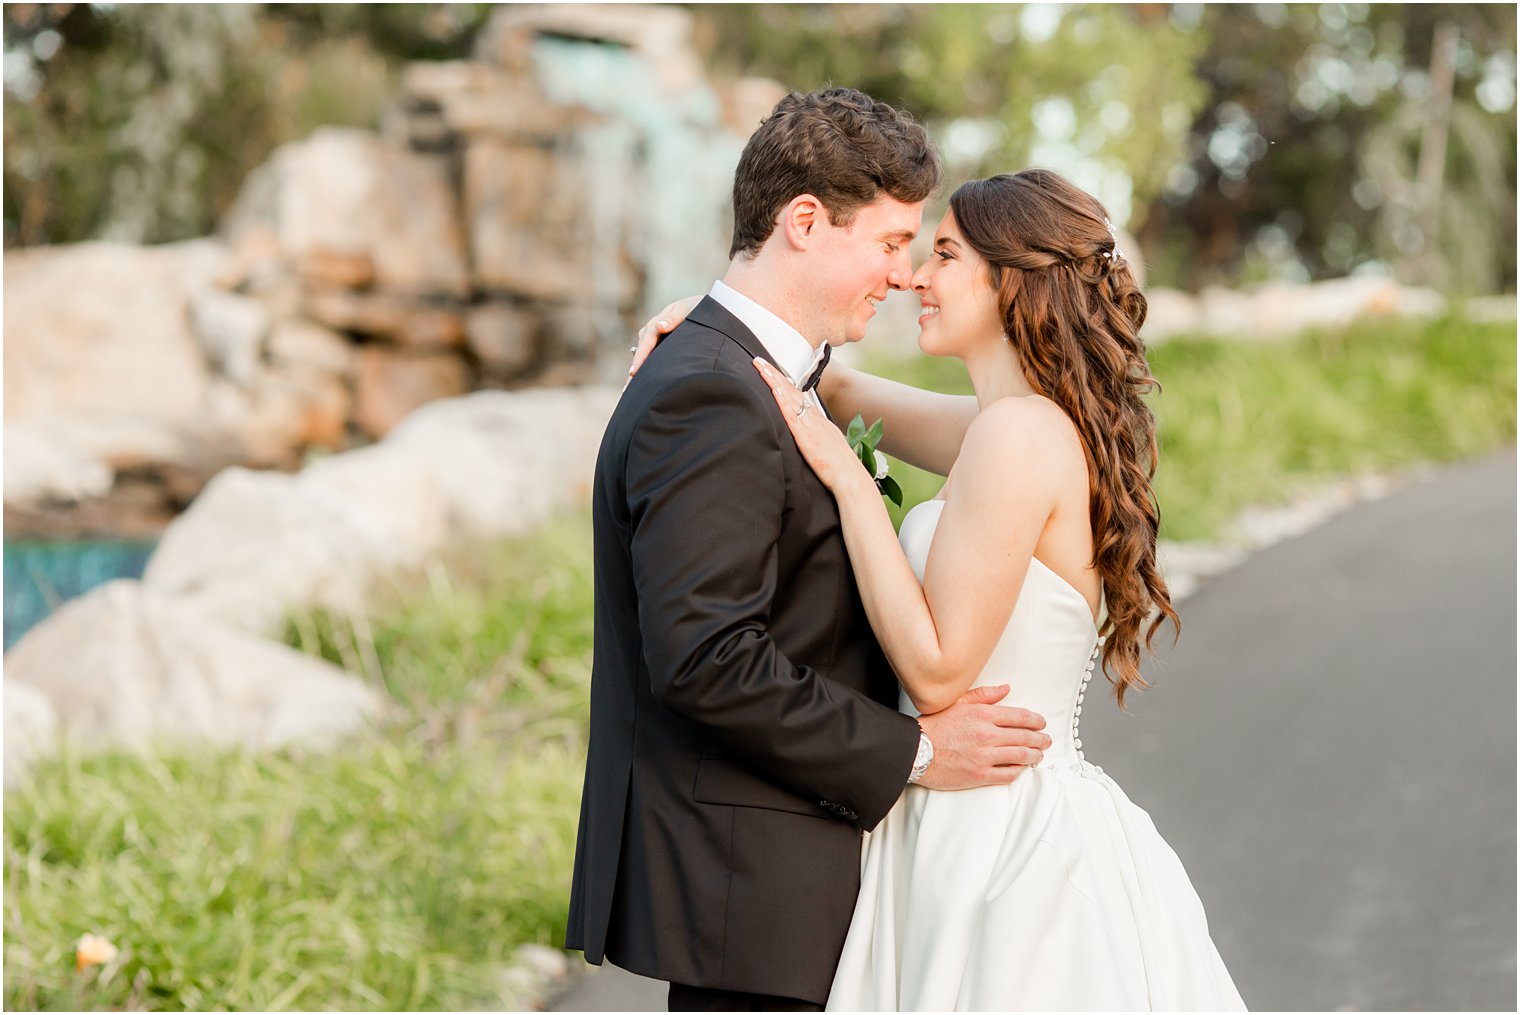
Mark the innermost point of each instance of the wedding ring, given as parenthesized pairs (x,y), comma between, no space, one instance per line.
(803,411)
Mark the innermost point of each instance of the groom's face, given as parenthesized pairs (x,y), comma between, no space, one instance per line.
(854,267)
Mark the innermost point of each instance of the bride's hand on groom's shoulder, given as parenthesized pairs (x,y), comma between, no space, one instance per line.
(821,442)
(657,327)
(980,743)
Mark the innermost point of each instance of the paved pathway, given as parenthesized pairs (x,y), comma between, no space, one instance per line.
(1331,750)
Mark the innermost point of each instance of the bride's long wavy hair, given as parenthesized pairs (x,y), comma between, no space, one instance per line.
(1072,310)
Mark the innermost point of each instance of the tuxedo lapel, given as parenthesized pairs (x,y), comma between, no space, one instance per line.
(712,314)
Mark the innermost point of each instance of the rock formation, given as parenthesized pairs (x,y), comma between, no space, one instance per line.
(511,222)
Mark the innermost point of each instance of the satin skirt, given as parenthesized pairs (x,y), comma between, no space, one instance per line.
(1053,893)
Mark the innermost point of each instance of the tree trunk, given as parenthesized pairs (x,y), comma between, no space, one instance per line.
(1432,166)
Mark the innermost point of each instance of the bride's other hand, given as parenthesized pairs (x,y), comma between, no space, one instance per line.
(657,327)
(820,441)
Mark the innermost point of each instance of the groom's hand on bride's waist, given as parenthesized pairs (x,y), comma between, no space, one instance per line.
(980,743)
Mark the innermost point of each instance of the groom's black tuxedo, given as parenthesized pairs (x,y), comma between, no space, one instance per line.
(743,720)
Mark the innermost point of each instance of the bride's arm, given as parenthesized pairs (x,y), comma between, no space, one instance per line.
(939,635)
(922,428)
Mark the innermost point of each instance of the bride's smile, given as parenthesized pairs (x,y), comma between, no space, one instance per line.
(954,286)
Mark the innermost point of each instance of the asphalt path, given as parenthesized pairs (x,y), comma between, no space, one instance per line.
(1330,749)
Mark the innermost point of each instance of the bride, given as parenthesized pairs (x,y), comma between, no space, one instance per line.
(1035,566)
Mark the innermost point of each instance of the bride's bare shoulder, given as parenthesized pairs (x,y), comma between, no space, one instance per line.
(1028,431)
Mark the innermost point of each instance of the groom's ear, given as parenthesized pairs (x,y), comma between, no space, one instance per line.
(801,219)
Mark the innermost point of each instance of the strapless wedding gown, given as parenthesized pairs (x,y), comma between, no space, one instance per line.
(1052,893)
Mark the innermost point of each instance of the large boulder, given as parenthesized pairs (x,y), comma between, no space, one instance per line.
(232,330)
(104,327)
(255,545)
(41,467)
(348,210)
(500,462)
(389,384)
(53,459)
(128,367)
(126,666)
(31,728)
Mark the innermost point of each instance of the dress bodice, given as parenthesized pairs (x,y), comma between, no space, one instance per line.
(1046,654)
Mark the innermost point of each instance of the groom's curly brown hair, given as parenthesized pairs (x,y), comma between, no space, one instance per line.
(841,146)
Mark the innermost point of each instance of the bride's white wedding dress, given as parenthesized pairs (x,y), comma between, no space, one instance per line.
(1054,892)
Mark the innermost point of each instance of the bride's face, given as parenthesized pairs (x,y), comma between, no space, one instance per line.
(955,288)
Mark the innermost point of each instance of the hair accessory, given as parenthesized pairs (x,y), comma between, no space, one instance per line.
(1113,234)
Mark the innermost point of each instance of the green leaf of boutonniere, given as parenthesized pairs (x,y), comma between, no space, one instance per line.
(863,442)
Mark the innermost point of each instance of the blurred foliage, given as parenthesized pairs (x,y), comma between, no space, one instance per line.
(1255,423)
(1110,87)
(140,122)
(1302,163)
(1260,140)
(1239,142)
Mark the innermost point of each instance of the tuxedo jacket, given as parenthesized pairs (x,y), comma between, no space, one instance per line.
(744,728)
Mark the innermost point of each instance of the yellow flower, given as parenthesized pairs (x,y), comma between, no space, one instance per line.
(93,950)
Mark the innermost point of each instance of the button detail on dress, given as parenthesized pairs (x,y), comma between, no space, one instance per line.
(1076,712)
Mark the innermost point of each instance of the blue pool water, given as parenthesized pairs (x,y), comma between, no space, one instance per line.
(41,576)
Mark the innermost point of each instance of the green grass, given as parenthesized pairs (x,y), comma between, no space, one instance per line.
(1254,423)
(399,872)
(403,870)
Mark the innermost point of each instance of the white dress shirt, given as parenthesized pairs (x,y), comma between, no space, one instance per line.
(794,354)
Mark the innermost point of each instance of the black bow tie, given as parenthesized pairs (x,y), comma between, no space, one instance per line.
(812,378)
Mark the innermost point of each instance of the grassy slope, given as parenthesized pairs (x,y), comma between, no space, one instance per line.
(1244,423)
(400,872)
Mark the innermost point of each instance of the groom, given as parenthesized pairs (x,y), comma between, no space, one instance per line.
(744,729)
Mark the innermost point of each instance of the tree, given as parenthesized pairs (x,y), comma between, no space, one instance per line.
(1103,93)
(140,122)
(1253,141)
(1304,160)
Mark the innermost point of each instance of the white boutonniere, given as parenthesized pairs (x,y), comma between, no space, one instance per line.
(863,442)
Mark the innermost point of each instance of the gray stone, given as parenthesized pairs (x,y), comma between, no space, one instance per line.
(293,409)
(304,344)
(419,246)
(354,211)
(103,327)
(255,544)
(41,467)
(1280,310)
(501,462)
(31,729)
(530,229)
(390,384)
(455,472)
(1490,308)
(503,337)
(231,329)
(126,666)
